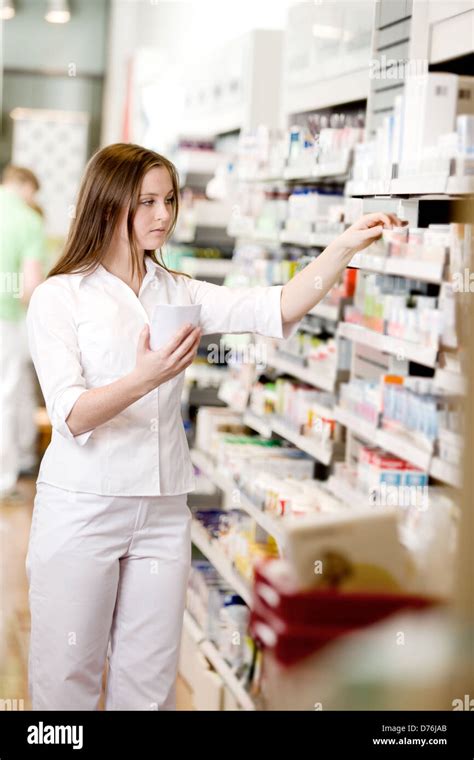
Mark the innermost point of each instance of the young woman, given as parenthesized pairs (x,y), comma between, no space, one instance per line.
(109,551)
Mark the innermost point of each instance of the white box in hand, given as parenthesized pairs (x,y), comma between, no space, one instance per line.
(167,319)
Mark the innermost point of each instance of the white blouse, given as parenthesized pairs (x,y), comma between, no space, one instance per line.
(83,333)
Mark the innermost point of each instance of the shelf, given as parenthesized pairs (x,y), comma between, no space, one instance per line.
(261,426)
(430,185)
(450,382)
(220,561)
(368,187)
(221,667)
(356,425)
(227,484)
(460,185)
(419,185)
(405,349)
(325,381)
(313,239)
(349,496)
(326,311)
(206,267)
(200,162)
(401,444)
(312,447)
(427,271)
(447,473)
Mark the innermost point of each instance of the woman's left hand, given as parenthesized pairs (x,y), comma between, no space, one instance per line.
(367,229)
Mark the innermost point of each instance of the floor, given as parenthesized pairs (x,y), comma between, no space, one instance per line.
(15,520)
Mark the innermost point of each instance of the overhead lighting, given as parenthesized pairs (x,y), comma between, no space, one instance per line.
(7,10)
(58,12)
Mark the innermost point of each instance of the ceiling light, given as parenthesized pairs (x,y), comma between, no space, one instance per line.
(58,12)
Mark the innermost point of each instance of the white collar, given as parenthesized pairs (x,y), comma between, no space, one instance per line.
(150,265)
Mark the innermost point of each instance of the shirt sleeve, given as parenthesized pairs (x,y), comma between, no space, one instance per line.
(54,349)
(254,309)
(34,242)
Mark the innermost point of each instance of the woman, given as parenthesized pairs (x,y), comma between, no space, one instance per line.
(110,549)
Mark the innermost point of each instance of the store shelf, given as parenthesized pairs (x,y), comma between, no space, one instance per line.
(206,267)
(267,522)
(447,473)
(460,185)
(261,426)
(427,271)
(312,447)
(313,239)
(196,162)
(450,382)
(399,443)
(325,381)
(435,185)
(344,492)
(405,349)
(221,667)
(368,187)
(204,462)
(419,185)
(220,561)
(227,674)
(403,445)
(326,311)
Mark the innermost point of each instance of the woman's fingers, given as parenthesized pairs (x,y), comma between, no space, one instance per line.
(188,357)
(174,343)
(372,232)
(186,345)
(379,217)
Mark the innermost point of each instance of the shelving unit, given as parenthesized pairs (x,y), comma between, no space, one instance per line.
(324,380)
(220,561)
(320,451)
(210,651)
(372,352)
(426,271)
(271,525)
(401,444)
(404,349)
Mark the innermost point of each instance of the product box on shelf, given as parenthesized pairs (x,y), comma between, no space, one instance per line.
(432,102)
(291,622)
(356,552)
(211,419)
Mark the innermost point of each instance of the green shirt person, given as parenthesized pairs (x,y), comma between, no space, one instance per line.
(22,242)
(22,251)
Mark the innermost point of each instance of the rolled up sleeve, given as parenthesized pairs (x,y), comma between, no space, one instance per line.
(254,309)
(52,340)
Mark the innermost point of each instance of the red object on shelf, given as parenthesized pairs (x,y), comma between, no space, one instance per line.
(295,623)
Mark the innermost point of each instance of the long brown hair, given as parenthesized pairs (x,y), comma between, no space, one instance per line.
(112,179)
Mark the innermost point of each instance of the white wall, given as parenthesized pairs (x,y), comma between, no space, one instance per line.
(180,33)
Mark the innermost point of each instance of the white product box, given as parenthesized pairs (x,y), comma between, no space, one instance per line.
(430,111)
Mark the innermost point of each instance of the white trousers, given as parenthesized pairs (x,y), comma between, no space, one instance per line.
(106,569)
(17,404)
